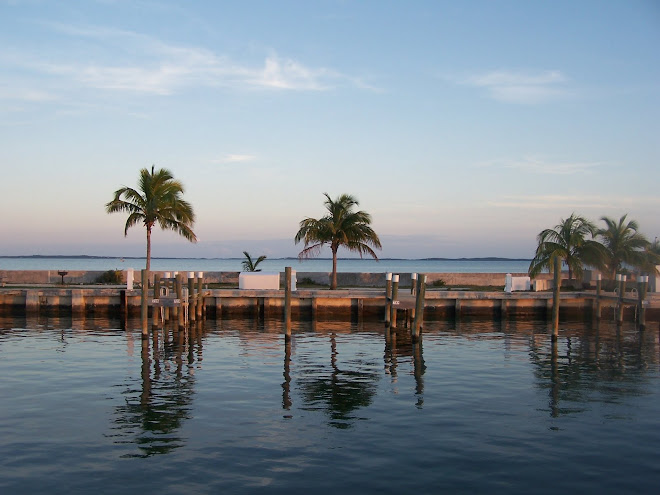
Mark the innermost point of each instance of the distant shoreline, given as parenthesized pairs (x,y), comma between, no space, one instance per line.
(85,256)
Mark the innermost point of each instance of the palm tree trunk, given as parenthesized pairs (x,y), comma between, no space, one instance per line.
(148,248)
(333,282)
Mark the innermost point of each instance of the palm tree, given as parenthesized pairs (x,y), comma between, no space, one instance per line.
(652,258)
(250,265)
(623,244)
(157,200)
(340,227)
(572,241)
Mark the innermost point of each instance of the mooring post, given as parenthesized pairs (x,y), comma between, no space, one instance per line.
(200,298)
(191,296)
(419,307)
(178,287)
(414,291)
(287,302)
(555,298)
(395,295)
(176,310)
(168,286)
(598,290)
(621,278)
(388,297)
(144,314)
(155,312)
(642,286)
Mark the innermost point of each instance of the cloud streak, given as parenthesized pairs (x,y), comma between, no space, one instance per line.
(520,87)
(568,202)
(149,66)
(538,165)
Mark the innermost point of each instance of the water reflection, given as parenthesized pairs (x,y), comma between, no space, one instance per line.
(399,344)
(336,391)
(603,363)
(152,416)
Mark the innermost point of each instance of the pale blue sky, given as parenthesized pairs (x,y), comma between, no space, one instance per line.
(464,128)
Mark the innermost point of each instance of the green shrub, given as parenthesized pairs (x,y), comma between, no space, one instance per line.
(111,277)
(439,283)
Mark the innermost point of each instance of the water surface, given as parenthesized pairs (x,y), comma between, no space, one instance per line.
(475,407)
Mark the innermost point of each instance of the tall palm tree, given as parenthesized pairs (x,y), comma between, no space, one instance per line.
(250,265)
(340,227)
(156,201)
(624,244)
(571,240)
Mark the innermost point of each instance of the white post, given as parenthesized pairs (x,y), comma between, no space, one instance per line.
(129,279)
(508,284)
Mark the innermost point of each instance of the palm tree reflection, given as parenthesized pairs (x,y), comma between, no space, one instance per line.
(339,392)
(599,363)
(152,416)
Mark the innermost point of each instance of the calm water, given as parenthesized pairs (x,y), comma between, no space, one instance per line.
(480,407)
(312,265)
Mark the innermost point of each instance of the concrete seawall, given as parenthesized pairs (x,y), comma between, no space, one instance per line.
(347,279)
(348,304)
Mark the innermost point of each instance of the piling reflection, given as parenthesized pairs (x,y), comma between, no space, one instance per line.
(338,392)
(599,363)
(399,344)
(152,416)
(286,385)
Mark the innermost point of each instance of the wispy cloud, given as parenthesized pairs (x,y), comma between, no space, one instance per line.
(520,87)
(234,158)
(539,165)
(143,64)
(576,202)
(24,94)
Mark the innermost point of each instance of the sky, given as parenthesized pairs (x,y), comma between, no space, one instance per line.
(463,128)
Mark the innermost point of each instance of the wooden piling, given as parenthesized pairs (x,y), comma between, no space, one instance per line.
(178,287)
(388,297)
(419,307)
(622,290)
(597,310)
(31,302)
(156,310)
(144,306)
(413,291)
(191,296)
(555,298)
(395,295)
(176,309)
(642,287)
(200,297)
(287,302)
